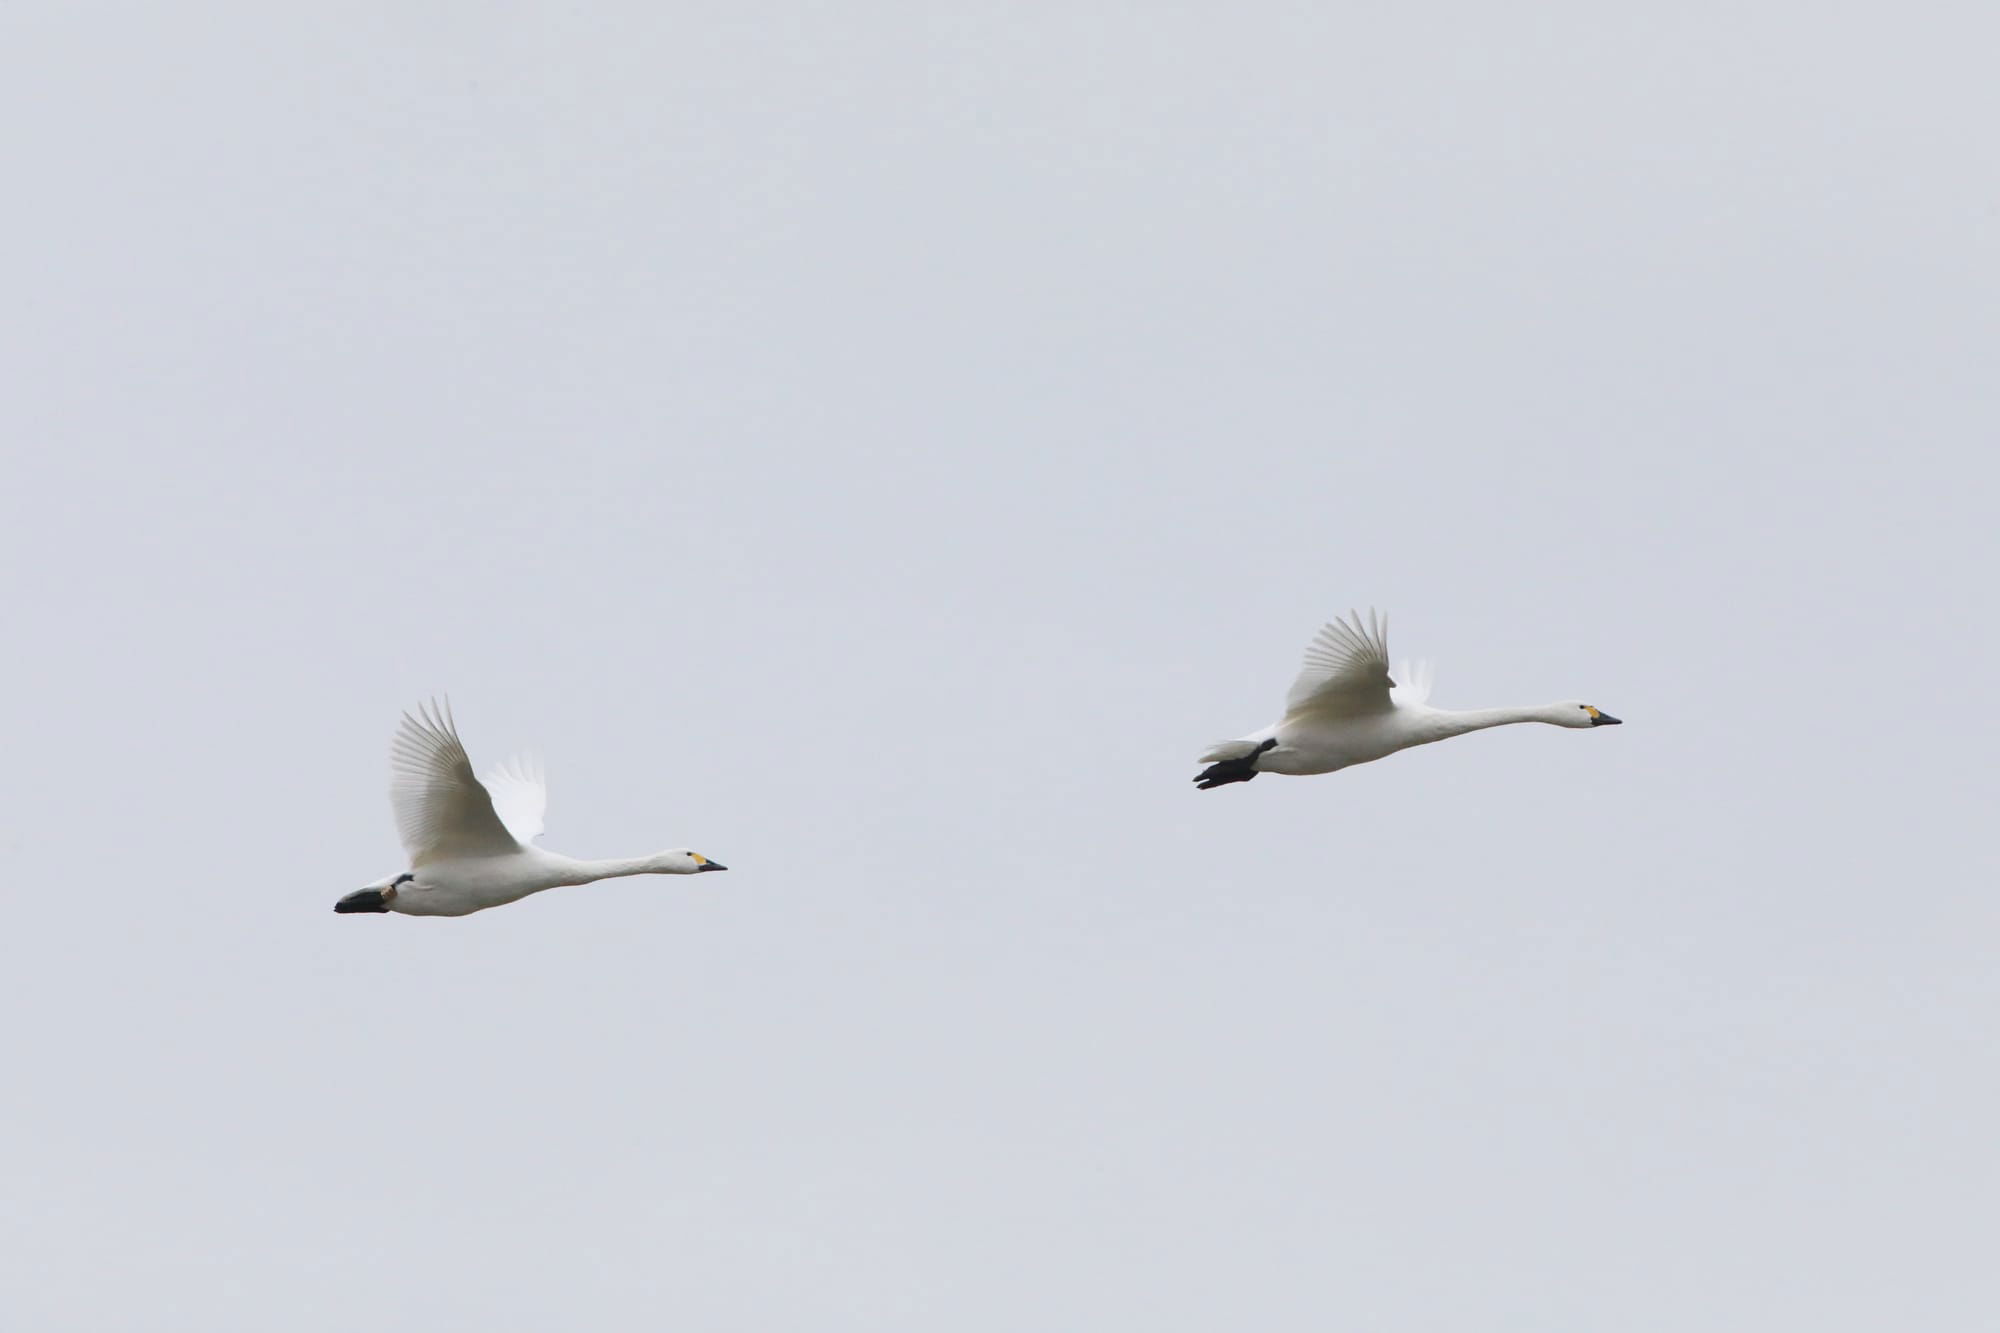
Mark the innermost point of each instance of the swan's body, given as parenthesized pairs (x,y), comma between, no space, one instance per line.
(470,843)
(1345,709)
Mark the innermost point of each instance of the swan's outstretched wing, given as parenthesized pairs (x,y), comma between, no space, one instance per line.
(442,812)
(1413,683)
(1346,670)
(520,795)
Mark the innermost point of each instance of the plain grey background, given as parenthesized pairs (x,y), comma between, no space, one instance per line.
(879,446)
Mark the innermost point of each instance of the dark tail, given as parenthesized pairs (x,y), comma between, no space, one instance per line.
(1232,770)
(363,900)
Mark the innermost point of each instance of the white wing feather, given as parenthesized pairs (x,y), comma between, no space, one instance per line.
(441,810)
(1346,670)
(520,793)
(1413,683)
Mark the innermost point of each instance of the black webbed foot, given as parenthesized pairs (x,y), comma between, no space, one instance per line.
(1232,770)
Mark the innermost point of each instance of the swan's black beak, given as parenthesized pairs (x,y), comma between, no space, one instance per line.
(707,866)
(1598,719)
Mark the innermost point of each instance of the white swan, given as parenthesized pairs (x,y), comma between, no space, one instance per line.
(1344,710)
(469,843)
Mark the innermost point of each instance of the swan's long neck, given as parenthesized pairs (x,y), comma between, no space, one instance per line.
(574,871)
(1446,723)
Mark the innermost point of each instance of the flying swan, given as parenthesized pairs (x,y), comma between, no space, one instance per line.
(1345,710)
(469,843)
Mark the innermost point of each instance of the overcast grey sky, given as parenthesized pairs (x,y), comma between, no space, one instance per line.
(879,446)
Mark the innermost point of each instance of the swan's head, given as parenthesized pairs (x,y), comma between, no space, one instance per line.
(685,862)
(1577,713)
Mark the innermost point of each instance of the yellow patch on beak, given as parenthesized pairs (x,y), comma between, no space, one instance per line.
(1586,708)
(701,860)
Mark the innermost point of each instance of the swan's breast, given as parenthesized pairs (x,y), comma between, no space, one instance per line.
(1322,747)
